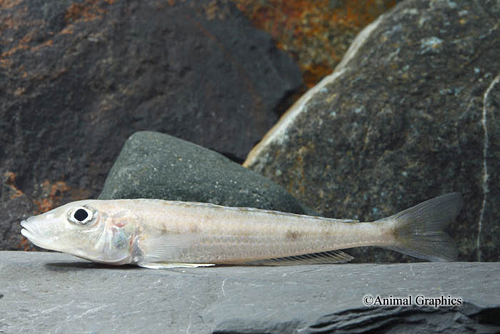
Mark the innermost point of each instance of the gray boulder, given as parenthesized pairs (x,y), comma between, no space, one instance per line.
(408,114)
(77,78)
(58,293)
(155,165)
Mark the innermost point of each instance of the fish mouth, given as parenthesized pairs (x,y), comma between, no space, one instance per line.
(33,232)
(26,229)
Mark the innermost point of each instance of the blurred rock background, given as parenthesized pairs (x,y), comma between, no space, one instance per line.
(316,33)
(407,114)
(410,113)
(77,78)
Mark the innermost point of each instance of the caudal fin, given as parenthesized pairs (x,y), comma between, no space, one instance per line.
(418,231)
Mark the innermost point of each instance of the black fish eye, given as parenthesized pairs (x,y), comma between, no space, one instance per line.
(80,215)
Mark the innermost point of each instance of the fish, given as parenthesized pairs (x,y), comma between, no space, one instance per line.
(159,234)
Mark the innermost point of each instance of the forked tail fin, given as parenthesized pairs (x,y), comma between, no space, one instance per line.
(418,231)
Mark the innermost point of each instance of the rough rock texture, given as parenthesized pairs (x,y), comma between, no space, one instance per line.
(79,77)
(410,113)
(51,292)
(155,165)
(317,33)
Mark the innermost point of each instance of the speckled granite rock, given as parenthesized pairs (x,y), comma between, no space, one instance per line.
(155,165)
(51,292)
(410,113)
(78,77)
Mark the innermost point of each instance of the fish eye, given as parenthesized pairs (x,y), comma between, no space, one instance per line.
(82,215)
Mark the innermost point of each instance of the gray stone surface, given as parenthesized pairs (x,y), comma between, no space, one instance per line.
(58,293)
(410,113)
(78,77)
(155,165)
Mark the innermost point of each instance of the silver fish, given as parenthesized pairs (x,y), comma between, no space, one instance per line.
(163,234)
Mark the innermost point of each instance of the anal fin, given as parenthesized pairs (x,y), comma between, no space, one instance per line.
(328,257)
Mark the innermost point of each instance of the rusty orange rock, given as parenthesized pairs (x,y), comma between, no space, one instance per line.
(317,33)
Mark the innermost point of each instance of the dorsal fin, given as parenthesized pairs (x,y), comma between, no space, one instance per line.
(334,256)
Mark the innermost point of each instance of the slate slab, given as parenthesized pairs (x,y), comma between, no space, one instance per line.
(78,77)
(156,165)
(410,113)
(52,292)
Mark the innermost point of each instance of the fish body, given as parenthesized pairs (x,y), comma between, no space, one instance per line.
(157,233)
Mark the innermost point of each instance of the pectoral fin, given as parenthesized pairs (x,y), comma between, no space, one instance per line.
(165,248)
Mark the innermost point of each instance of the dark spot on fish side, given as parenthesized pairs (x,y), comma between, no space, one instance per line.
(1,296)
(292,234)
(194,228)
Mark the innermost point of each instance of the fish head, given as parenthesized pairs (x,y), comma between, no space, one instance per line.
(86,229)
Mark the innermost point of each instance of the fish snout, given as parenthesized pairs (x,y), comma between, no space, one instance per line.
(27,226)
(32,230)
